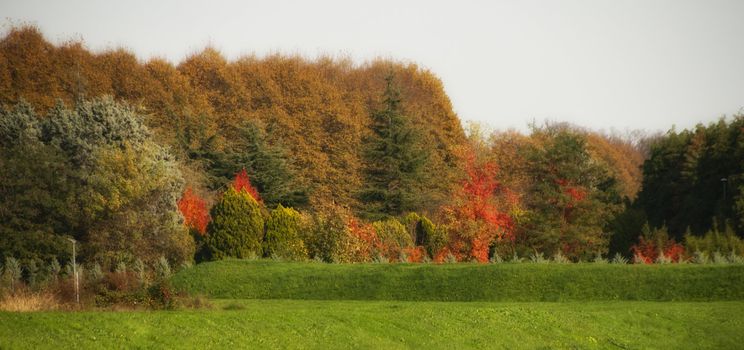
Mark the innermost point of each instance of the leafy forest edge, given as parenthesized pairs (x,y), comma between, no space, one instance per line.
(291,159)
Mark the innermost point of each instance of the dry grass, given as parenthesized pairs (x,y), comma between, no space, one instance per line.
(28,301)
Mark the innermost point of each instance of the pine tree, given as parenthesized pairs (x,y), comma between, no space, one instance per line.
(236,229)
(395,161)
(268,165)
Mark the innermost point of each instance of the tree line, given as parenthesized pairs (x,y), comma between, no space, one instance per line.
(283,157)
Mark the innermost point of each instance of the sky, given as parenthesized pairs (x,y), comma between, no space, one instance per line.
(610,65)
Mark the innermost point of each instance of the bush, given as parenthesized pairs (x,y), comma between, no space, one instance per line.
(329,239)
(619,259)
(162,269)
(94,171)
(714,240)
(393,237)
(236,229)
(432,237)
(12,272)
(282,239)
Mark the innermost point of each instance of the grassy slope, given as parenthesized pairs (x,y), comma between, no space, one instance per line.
(390,324)
(242,279)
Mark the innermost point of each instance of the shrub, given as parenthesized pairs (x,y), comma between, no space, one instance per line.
(54,269)
(735,258)
(96,273)
(162,269)
(393,237)
(538,258)
(380,259)
(12,272)
(140,271)
(559,258)
(450,258)
(619,259)
(329,239)
(236,229)
(121,267)
(414,254)
(654,243)
(700,257)
(366,244)
(282,239)
(714,240)
(431,236)
(719,258)
(32,273)
(599,259)
(663,259)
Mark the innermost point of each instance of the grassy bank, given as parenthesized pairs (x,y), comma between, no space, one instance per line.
(242,279)
(389,325)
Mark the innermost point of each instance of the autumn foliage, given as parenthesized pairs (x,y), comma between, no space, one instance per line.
(194,211)
(648,250)
(477,215)
(243,183)
(336,140)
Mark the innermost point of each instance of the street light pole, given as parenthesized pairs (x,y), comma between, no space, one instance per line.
(74,272)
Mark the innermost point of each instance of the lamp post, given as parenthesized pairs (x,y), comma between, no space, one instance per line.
(74,272)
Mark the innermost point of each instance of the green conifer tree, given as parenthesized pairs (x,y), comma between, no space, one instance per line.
(395,180)
(282,238)
(237,227)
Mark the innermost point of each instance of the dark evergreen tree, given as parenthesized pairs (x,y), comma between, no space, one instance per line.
(267,164)
(395,160)
(694,178)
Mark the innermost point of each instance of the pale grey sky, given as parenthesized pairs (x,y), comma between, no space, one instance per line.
(602,64)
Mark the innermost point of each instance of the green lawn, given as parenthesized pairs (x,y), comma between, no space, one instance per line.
(389,325)
(242,279)
(265,304)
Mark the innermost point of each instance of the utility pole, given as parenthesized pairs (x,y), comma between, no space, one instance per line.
(74,272)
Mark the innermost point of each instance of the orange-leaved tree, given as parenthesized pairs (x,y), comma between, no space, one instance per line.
(194,211)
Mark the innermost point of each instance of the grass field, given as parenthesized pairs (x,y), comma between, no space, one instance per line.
(389,325)
(242,279)
(264,304)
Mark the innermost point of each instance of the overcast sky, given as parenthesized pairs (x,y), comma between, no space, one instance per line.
(602,64)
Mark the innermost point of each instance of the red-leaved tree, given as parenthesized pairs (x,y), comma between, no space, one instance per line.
(476,218)
(243,183)
(194,211)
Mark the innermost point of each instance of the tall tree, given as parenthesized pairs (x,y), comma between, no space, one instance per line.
(394,181)
(571,198)
(93,173)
